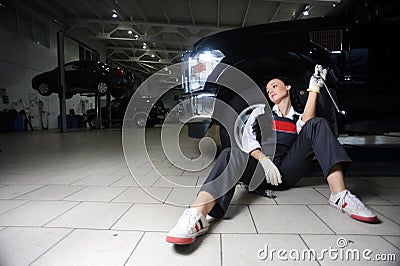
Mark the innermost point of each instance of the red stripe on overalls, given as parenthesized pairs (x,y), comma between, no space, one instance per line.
(284,126)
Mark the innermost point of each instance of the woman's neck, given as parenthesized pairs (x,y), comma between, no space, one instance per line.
(284,106)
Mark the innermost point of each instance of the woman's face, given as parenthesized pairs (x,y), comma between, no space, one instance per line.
(277,90)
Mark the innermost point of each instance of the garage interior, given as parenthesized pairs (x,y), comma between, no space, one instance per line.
(68,197)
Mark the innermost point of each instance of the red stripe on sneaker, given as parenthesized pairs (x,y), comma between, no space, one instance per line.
(344,205)
(196,227)
(364,219)
(179,240)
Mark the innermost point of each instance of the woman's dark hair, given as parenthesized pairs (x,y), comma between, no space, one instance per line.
(294,97)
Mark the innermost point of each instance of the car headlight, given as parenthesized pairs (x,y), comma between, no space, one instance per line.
(197,68)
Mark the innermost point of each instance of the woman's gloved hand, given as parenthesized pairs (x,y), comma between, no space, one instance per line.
(272,174)
(317,79)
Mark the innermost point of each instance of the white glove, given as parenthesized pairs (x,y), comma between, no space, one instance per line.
(272,174)
(317,79)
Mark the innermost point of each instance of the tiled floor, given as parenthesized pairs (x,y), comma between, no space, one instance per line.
(70,199)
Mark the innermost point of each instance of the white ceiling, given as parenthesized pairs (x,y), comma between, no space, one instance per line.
(163,29)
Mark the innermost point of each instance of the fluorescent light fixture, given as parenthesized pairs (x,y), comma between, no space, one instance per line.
(114,13)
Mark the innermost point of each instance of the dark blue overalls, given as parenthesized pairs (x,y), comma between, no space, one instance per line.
(293,155)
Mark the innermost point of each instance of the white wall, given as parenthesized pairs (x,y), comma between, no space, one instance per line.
(21,59)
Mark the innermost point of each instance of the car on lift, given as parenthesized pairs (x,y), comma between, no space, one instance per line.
(356,43)
(93,77)
(118,108)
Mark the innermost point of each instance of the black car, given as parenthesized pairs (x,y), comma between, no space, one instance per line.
(85,77)
(118,108)
(356,44)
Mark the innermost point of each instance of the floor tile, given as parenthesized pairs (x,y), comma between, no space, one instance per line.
(244,196)
(390,194)
(165,172)
(140,171)
(145,180)
(287,219)
(350,249)
(21,178)
(202,173)
(144,195)
(153,250)
(392,212)
(161,163)
(121,171)
(62,179)
(176,181)
(125,181)
(394,240)
(103,170)
(192,166)
(13,191)
(149,217)
(251,249)
(312,182)
(35,213)
(201,180)
(32,241)
(300,196)
(97,180)
(383,181)
(353,182)
(51,192)
(96,193)
(92,247)
(6,205)
(182,196)
(236,220)
(341,223)
(93,215)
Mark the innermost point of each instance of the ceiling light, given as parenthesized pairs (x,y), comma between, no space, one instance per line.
(114,14)
(305,13)
(130,32)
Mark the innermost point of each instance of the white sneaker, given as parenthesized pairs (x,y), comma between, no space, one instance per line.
(190,225)
(351,205)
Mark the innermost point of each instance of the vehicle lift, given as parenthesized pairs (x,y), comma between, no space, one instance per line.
(61,96)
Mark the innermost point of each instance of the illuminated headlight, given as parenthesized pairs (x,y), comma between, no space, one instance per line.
(198,67)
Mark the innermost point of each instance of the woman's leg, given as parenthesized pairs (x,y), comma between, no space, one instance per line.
(344,200)
(213,198)
(204,202)
(336,179)
(315,139)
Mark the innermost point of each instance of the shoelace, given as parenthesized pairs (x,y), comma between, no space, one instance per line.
(188,216)
(352,198)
